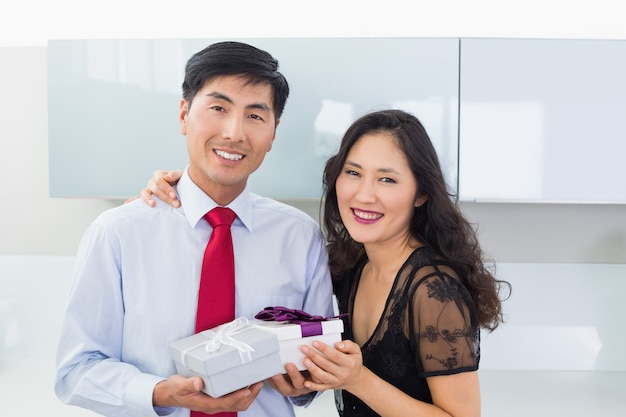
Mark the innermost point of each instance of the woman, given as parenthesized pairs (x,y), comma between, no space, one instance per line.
(408,269)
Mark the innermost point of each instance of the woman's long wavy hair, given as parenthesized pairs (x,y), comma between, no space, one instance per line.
(438,223)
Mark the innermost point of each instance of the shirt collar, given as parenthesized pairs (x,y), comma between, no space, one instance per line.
(196,203)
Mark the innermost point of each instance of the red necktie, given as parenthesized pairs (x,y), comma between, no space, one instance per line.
(216,297)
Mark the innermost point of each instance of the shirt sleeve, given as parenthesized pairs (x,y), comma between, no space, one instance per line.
(319,297)
(319,293)
(90,373)
(445,327)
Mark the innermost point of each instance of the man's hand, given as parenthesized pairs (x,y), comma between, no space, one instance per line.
(178,391)
(290,384)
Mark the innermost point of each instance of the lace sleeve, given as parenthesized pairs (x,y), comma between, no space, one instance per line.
(445,328)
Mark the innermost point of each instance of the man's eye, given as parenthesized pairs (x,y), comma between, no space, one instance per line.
(256,117)
(218,108)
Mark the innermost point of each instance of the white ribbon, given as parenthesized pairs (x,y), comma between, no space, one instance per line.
(223,335)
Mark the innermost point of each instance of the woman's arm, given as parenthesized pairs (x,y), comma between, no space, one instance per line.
(455,395)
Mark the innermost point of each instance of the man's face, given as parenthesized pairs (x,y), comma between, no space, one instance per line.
(229,127)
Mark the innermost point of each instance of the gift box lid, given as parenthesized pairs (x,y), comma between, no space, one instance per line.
(286,330)
(199,352)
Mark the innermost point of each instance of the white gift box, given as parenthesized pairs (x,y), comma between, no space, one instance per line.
(293,335)
(228,357)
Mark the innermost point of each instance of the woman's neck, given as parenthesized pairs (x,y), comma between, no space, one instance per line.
(385,260)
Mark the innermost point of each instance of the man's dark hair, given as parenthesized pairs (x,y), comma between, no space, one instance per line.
(235,58)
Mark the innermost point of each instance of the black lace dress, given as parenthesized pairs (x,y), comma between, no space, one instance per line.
(429,327)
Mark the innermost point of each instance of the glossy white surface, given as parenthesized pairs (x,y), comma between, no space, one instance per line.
(560,317)
(26,391)
(559,353)
(117,100)
(542,120)
(532,393)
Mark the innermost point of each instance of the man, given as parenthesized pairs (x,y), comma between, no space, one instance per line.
(138,268)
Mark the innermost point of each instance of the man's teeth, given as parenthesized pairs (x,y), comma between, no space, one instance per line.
(366,216)
(229,156)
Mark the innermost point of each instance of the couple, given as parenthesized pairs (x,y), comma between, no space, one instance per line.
(405,264)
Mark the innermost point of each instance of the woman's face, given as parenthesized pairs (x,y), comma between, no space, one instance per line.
(376,191)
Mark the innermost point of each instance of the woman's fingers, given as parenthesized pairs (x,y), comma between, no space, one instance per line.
(332,367)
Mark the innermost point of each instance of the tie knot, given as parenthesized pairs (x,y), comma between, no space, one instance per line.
(220,216)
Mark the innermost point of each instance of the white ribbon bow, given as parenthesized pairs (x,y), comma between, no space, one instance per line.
(223,335)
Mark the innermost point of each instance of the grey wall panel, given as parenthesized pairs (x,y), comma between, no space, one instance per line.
(113,107)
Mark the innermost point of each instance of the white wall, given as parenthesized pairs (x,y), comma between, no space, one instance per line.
(38,232)
(32,22)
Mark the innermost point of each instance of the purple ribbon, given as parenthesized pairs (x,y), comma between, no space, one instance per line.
(310,325)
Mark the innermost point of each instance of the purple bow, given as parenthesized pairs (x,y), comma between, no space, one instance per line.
(310,325)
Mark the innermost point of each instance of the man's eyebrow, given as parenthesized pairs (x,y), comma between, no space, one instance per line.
(220,96)
(260,106)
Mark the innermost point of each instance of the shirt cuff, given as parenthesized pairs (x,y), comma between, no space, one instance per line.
(164,411)
(303,400)
(139,396)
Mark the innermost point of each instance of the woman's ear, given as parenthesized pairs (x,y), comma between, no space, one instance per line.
(420,200)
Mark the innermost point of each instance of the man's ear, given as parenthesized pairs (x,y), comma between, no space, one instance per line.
(184,109)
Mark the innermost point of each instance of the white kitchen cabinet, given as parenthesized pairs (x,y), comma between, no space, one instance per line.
(542,120)
(114,104)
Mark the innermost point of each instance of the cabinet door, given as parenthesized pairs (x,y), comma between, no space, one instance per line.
(542,120)
(113,107)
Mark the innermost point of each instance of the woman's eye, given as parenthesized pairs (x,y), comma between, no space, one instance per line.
(388,180)
(351,172)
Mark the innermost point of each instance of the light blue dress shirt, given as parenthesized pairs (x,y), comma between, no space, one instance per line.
(136,282)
